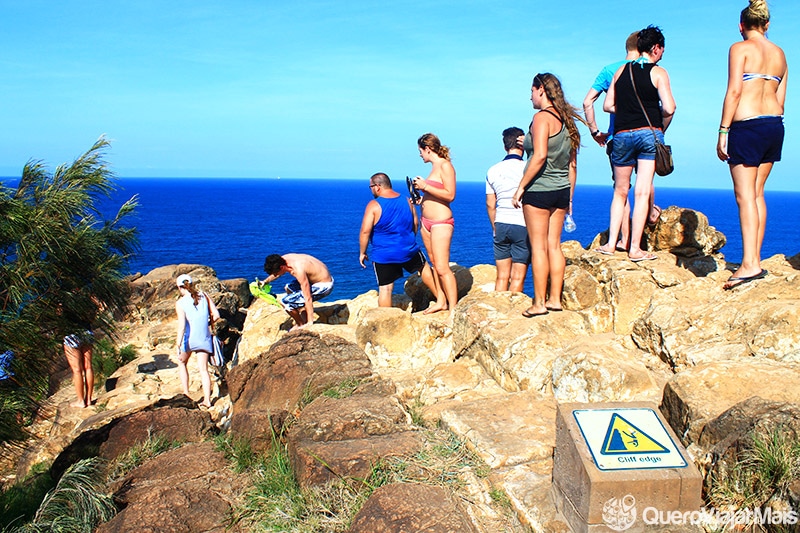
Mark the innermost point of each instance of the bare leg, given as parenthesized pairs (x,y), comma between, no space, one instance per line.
(761,204)
(441,235)
(86,353)
(385,295)
(641,207)
(205,378)
(297,316)
(503,274)
(441,300)
(183,372)
(556,261)
(428,278)
(75,360)
(537,221)
(654,212)
(518,271)
(625,225)
(746,189)
(622,183)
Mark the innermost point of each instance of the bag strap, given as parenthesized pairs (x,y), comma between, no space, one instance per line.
(636,92)
(210,316)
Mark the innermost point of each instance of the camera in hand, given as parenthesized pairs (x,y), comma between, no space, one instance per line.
(412,190)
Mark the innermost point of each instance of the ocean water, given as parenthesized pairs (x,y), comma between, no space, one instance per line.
(231,225)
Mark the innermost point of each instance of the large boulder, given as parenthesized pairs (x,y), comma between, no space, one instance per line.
(697,321)
(517,352)
(407,507)
(680,231)
(730,441)
(698,395)
(301,365)
(421,296)
(344,438)
(398,341)
(264,325)
(173,424)
(112,433)
(685,232)
(190,489)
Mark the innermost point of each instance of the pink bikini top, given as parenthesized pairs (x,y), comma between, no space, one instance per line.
(435,184)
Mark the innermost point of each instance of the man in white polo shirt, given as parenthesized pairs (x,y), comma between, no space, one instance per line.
(512,251)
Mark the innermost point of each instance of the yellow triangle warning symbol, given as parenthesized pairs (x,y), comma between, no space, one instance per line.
(623,437)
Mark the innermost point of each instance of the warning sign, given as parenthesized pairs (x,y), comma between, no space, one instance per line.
(624,439)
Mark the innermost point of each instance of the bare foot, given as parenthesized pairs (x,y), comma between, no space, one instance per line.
(434,309)
(79,405)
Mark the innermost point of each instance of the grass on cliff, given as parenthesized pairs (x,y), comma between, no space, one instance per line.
(136,456)
(78,501)
(277,503)
(19,502)
(77,504)
(766,468)
(106,359)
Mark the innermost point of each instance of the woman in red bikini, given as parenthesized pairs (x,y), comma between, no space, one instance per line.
(751,131)
(439,189)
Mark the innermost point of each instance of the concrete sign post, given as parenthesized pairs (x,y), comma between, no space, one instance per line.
(612,460)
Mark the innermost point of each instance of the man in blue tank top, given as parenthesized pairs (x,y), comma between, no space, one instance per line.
(390,223)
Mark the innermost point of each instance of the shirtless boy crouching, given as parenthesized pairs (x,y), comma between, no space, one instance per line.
(312,282)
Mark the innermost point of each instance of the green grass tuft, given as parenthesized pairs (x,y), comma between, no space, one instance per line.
(138,454)
(767,465)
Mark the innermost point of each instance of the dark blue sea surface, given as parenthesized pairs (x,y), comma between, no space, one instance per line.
(231,225)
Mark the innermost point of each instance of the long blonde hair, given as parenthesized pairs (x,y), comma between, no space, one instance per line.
(755,15)
(567,112)
(429,140)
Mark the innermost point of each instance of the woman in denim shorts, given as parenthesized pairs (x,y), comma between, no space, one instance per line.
(634,145)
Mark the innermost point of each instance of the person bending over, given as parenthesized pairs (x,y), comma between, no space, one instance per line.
(312,282)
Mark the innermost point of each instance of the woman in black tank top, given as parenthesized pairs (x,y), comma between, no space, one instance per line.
(634,145)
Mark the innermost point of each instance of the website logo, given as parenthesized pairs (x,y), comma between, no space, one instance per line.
(619,514)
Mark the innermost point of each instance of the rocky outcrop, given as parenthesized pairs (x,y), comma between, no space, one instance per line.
(718,362)
(727,439)
(345,438)
(411,507)
(265,391)
(189,489)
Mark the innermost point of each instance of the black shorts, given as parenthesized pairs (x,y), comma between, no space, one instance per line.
(387,273)
(755,141)
(547,199)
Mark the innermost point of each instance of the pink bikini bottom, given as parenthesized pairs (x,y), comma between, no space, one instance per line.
(428,223)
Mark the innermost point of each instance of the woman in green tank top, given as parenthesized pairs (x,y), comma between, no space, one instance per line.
(545,190)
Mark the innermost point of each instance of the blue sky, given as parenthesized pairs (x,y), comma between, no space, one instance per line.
(344,89)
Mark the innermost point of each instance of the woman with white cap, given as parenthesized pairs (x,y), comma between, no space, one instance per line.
(194,309)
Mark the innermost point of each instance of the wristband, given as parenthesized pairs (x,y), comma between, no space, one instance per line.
(595,133)
(723,131)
